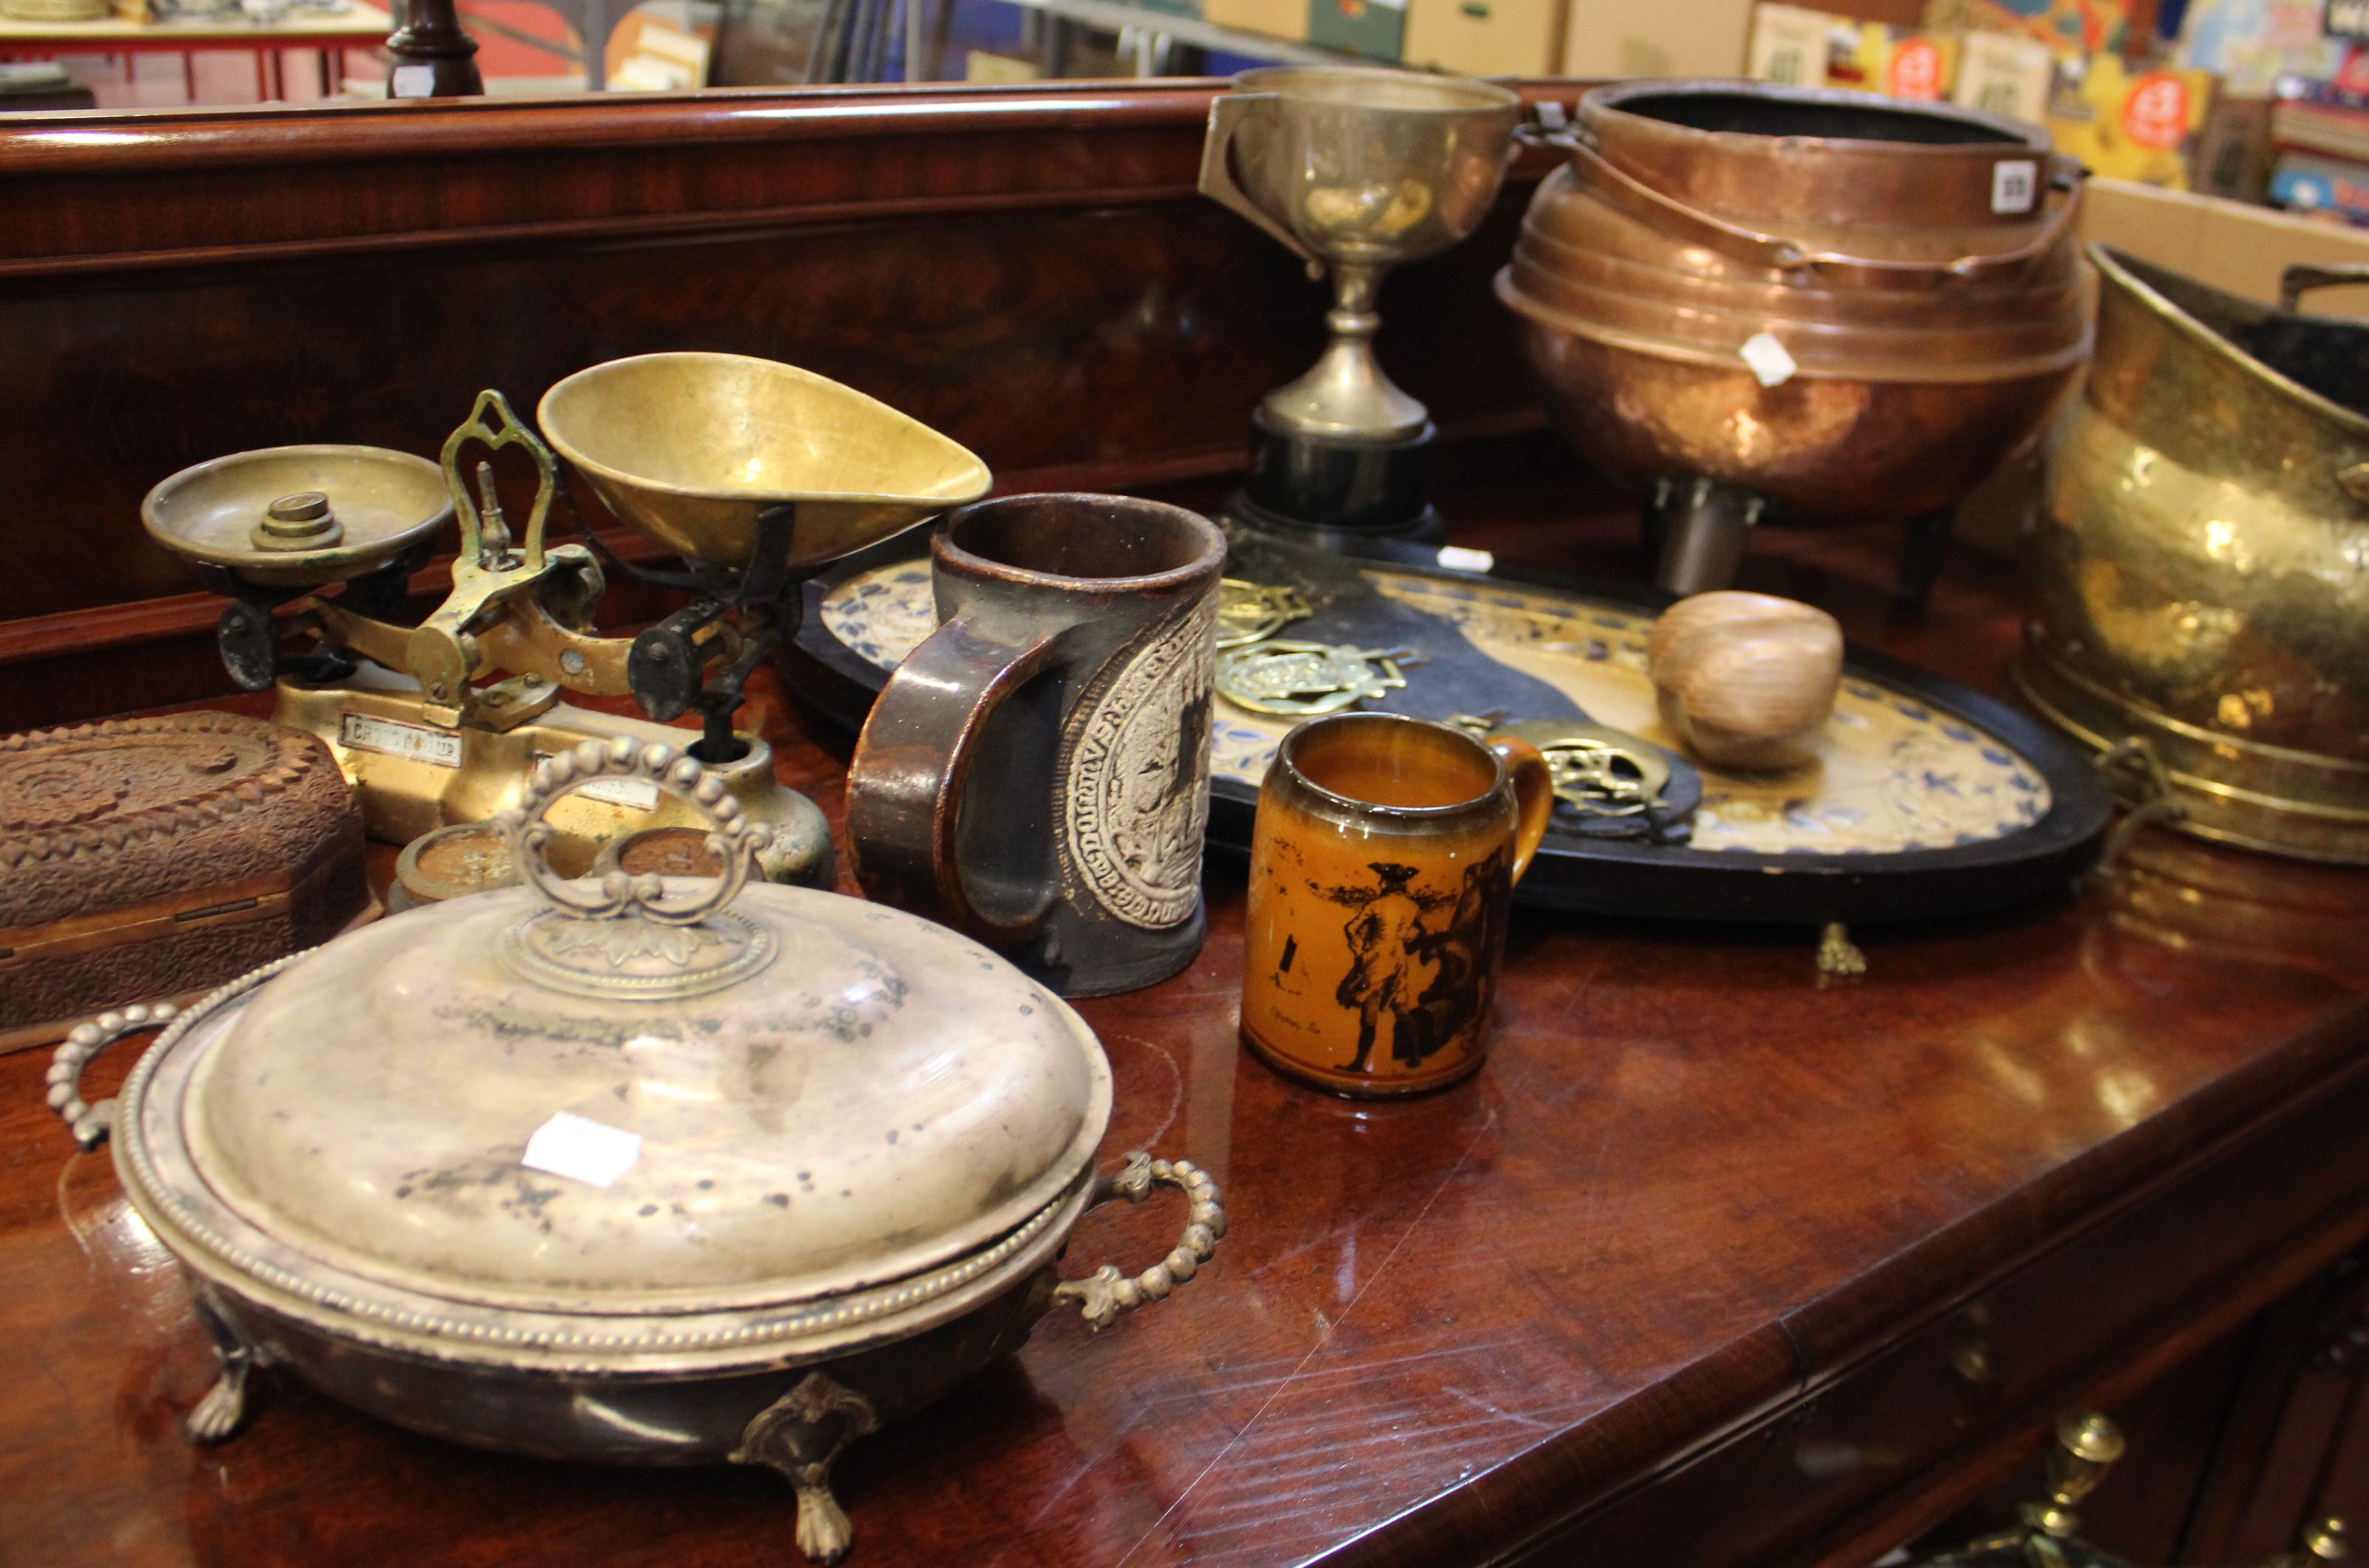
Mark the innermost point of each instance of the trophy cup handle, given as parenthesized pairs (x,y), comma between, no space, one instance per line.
(1227,112)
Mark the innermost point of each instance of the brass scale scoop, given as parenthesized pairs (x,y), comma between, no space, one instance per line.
(756,473)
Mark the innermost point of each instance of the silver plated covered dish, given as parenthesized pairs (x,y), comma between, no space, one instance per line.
(630,1169)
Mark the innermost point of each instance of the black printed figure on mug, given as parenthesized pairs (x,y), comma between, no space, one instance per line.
(1417,832)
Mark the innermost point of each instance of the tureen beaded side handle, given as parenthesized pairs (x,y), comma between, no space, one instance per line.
(91,1124)
(1102,1295)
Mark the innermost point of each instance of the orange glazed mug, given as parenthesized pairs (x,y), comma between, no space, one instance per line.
(1382,871)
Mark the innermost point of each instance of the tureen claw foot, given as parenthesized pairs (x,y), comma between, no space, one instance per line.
(224,1412)
(1102,1295)
(799,1435)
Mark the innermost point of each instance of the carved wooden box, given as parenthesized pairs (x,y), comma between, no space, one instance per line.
(154,857)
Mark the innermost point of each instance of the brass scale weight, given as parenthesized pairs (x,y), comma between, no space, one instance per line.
(713,456)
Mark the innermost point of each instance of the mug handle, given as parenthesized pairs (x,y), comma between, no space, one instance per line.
(1227,112)
(913,762)
(1533,796)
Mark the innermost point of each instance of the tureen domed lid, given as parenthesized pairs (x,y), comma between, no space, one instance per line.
(628,1096)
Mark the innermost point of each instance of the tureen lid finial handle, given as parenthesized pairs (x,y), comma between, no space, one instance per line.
(733,838)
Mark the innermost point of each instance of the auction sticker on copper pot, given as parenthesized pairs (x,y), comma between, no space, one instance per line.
(2014,184)
(582,1149)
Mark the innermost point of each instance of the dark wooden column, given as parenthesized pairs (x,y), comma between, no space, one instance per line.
(431,55)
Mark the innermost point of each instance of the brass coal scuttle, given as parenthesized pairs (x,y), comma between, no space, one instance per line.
(630,1169)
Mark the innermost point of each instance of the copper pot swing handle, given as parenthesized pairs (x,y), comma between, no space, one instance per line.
(91,1124)
(1620,190)
(1102,1295)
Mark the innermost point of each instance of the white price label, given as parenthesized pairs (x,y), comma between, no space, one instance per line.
(1457,558)
(2014,184)
(582,1149)
(413,82)
(1769,362)
(412,742)
(633,794)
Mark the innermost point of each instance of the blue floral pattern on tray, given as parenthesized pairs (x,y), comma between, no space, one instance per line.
(1895,773)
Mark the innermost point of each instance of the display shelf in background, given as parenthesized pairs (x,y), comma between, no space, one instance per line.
(1110,16)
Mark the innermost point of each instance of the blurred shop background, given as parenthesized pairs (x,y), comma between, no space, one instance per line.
(2264,101)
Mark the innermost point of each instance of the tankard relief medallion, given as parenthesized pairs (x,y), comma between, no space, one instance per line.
(1136,776)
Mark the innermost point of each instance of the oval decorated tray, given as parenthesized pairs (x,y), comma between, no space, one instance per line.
(1929,799)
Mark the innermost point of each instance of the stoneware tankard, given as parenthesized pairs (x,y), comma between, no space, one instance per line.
(1382,873)
(1036,773)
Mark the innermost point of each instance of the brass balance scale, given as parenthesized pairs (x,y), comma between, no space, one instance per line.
(756,473)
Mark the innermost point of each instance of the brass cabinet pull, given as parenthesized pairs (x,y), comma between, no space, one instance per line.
(2088,1444)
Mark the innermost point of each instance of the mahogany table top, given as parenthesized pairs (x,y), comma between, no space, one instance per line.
(1691,1181)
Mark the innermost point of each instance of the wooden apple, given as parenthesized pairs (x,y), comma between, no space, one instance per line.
(1745,679)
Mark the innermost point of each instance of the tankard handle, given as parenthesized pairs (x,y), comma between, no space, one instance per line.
(1227,113)
(912,766)
(1534,795)
(1102,1295)
(2296,281)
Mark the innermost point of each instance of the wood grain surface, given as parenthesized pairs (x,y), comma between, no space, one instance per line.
(1710,1265)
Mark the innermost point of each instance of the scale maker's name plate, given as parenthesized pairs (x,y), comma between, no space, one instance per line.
(392,737)
(633,794)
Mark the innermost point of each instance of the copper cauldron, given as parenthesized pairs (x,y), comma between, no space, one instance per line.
(1739,295)
(2200,572)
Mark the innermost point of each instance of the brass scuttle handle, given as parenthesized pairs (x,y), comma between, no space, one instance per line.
(1102,1295)
(2299,280)
(2088,1444)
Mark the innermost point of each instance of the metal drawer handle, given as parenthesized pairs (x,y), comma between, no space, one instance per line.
(2087,1447)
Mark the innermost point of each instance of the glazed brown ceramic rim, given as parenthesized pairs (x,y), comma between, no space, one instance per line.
(1212,556)
(1397,1089)
(1290,743)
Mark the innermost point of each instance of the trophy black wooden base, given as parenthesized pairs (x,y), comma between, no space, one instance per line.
(1323,489)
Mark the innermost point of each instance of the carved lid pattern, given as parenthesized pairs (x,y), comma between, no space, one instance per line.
(92,788)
